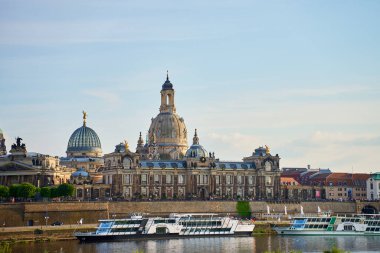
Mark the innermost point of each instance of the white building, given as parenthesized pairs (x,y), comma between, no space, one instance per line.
(373,186)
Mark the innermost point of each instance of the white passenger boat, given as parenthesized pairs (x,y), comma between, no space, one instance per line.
(361,224)
(176,225)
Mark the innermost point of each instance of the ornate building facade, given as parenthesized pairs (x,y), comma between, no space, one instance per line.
(21,166)
(166,168)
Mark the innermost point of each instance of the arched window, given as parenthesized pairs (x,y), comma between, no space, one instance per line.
(268,166)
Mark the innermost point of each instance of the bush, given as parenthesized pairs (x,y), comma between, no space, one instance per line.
(26,190)
(243,209)
(45,192)
(65,190)
(4,191)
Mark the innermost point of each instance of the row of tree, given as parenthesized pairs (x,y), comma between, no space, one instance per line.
(27,190)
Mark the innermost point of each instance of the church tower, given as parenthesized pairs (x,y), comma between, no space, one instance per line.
(168,128)
(167,96)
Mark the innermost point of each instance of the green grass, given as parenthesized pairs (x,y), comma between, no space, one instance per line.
(5,248)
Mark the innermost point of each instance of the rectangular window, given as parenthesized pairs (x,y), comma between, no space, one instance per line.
(168,179)
(127,179)
(181,179)
(228,179)
(156,179)
(268,180)
(144,179)
(202,179)
(144,191)
(251,180)
(217,180)
(240,179)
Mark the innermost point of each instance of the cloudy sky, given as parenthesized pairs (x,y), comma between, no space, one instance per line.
(299,76)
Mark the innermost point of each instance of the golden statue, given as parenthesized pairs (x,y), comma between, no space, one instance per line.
(267,150)
(84,117)
(126,145)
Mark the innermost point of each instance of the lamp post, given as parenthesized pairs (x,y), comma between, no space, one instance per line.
(46,220)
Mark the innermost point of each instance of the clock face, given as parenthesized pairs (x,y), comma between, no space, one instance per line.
(127,163)
(203,159)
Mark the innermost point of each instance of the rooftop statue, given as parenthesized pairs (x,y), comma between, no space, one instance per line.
(267,150)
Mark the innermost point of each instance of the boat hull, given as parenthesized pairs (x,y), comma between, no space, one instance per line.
(321,233)
(102,238)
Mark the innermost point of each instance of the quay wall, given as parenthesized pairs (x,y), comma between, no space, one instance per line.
(23,214)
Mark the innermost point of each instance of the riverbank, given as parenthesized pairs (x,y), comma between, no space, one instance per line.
(42,233)
(65,232)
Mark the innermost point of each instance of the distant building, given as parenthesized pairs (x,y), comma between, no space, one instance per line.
(303,183)
(346,186)
(373,186)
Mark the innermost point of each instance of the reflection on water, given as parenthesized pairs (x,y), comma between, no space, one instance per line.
(214,244)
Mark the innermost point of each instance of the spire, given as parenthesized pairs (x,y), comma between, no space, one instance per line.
(140,142)
(84,118)
(167,85)
(195,138)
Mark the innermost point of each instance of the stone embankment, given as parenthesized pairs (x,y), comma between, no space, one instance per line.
(37,214)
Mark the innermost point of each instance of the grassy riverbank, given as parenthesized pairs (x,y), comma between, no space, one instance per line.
(42,233)
(264,227)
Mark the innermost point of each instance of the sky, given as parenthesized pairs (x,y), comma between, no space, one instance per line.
(299,76)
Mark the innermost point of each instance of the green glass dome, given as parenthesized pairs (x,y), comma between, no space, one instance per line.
(84,139)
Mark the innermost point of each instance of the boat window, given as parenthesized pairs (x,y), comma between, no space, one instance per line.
(105,224)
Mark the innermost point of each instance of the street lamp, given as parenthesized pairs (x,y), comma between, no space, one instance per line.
(46,219)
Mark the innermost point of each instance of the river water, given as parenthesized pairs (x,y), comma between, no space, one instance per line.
(215,244)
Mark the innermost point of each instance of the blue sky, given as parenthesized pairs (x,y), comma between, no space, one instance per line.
(299,76)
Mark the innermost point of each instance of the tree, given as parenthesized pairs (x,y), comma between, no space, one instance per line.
(4,191)
(26,190)
(243,209)
(54,192)
(45,192)
(65,190)
(13,190)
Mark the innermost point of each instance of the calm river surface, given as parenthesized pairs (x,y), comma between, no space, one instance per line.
(200,245)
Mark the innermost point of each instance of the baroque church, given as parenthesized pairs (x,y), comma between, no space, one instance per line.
(162,167)
(165,167)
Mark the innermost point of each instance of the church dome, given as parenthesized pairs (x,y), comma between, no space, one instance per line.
(84,142)
(169,127)
(196,150)
(80,173)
